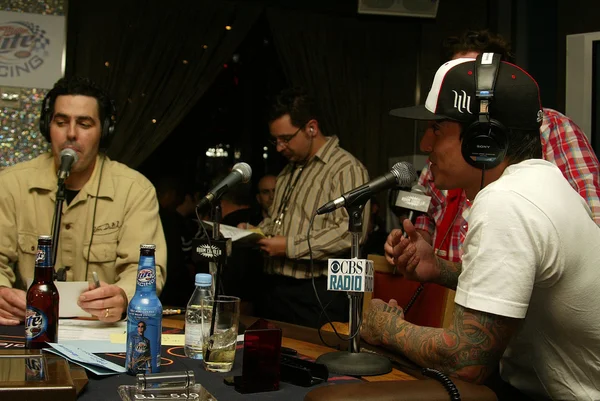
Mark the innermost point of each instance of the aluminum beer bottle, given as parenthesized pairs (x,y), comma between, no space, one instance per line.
(144,318)
(41,315)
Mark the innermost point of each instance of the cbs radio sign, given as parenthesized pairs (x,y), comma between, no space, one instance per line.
(31,49)
(350,275)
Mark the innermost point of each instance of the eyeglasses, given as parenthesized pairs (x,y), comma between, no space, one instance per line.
(285,139)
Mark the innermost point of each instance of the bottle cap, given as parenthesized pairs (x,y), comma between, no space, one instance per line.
(203,279)
(147,246)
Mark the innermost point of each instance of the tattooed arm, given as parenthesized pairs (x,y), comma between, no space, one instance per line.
(448,273)
(469,349)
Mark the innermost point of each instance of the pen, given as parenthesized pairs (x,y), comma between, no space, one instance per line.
(96,280)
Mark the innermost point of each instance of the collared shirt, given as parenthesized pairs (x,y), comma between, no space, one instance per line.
(124,216)
(331,172)
(563,143)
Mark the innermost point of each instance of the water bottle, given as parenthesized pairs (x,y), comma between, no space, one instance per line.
(193,316)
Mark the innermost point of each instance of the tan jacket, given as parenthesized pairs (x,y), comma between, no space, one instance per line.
(126,216)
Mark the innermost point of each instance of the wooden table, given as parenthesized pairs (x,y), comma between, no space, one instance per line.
(306,341)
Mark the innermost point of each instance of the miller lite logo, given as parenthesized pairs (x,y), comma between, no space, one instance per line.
(462,102)
(141,347)
(36,323)
(145,277)
(22,48)
(40,256)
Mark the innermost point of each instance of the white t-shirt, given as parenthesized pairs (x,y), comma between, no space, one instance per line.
(532,252)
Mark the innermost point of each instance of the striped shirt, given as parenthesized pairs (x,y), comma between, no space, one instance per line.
(563,143)
(331,172)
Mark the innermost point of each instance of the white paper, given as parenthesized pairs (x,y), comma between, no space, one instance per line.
(86,359)
(69,292)
(88,330)
(237,234)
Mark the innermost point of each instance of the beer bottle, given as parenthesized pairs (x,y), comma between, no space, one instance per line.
(144,318)
(41,316)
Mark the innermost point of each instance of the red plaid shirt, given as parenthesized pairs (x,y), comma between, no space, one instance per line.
(563,143)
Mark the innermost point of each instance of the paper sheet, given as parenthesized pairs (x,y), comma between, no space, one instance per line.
(88,330)
(69,292)
(88,360)
(239,234)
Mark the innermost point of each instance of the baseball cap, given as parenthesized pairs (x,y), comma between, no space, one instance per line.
(516,102)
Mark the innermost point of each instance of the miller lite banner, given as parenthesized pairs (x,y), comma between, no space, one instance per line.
(350,275)
(32,48)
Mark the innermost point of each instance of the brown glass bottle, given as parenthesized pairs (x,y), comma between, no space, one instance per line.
(41,317)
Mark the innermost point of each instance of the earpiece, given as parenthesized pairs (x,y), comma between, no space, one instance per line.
(484,142)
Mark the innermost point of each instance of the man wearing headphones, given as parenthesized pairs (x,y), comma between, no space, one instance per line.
(527,286)
(108,212)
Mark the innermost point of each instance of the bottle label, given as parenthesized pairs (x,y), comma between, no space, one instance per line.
(36,323)
(146,272)
(144,329)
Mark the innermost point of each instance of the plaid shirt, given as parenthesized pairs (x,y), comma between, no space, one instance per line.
(563,143)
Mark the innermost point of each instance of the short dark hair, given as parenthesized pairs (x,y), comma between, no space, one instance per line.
(480,41)
(84,87)
(297,103)
(523,145)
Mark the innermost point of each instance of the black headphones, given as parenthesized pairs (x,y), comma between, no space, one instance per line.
(108,125)
(485,141)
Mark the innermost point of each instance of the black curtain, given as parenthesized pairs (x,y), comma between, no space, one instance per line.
(155,58)
(358,68)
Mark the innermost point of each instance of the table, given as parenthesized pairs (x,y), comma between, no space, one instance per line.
(304,340)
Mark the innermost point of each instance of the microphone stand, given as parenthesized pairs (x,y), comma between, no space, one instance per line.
(58,205)
(354,362)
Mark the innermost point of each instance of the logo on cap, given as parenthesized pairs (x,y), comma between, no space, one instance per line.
(462,102)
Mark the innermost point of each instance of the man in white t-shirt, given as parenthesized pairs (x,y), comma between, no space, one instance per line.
(528,286)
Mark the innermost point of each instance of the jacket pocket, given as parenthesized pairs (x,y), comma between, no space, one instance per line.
(28,243)
(102,252)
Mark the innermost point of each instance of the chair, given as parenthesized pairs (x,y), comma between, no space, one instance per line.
(433,306)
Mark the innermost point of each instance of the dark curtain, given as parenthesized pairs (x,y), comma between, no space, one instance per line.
(358,69)
(156,58)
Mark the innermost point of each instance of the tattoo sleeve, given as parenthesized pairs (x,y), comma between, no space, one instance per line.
(469,349)
(449,272)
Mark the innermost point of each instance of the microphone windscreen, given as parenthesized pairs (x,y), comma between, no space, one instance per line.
(244,169)
(69,152)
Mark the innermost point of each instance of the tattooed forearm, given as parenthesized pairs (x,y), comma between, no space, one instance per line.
(469,349)
(449,272)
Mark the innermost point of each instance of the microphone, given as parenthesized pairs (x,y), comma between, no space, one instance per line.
(403,174)
(415,201)
(68,157)
(241,172)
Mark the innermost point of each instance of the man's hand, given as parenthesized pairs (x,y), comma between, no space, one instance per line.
(412,256)
(377,317)
(108,302)
(12,306)
(273,246)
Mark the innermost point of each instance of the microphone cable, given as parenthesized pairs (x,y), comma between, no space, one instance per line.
(444,380)
(323,308)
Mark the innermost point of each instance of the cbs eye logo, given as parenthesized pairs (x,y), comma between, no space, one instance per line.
(336,267)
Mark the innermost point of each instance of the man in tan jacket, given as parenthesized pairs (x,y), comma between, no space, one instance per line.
(108,212)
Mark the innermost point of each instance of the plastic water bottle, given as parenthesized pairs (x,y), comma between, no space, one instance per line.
(193,316)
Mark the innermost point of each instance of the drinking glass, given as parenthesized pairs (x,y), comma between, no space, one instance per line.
(222,319)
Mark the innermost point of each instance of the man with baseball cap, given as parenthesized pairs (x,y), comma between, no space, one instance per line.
(527,286)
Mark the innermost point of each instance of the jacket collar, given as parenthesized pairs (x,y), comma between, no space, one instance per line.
(45,178)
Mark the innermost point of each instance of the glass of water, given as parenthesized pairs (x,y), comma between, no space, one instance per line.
(222,317)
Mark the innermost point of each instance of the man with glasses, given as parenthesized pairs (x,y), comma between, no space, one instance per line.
(318,171)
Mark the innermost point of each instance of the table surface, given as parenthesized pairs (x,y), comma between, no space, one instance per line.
(304,340)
